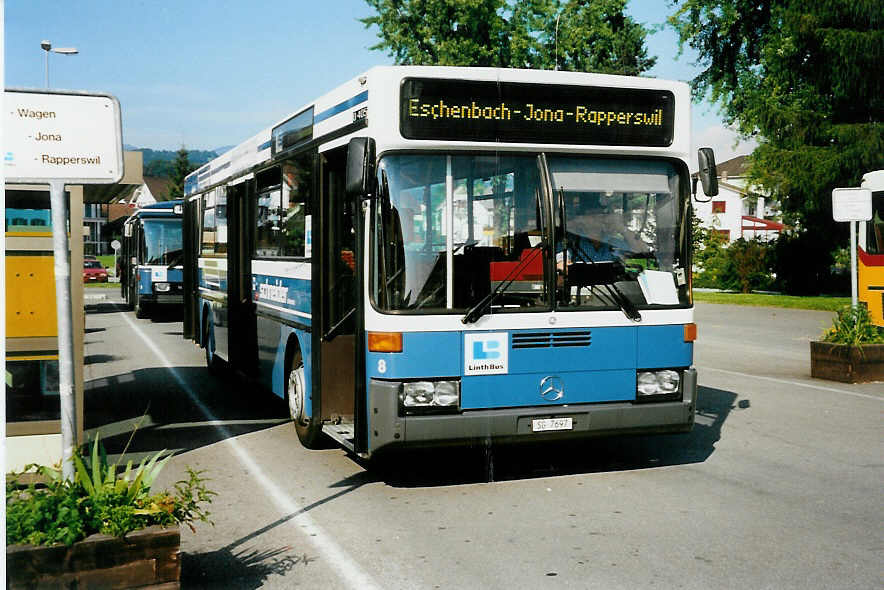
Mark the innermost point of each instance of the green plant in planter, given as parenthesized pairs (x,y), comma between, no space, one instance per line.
(98,501)
(853,326)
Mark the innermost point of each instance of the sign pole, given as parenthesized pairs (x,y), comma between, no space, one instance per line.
(852,205)
(61,137)
(116,247)
(854,289)
(61,253)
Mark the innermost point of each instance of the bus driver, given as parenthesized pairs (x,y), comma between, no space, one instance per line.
(596,234)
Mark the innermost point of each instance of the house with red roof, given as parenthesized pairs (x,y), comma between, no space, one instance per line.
(739,210)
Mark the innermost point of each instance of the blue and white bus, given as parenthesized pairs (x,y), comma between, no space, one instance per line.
(438,255)
(151,257)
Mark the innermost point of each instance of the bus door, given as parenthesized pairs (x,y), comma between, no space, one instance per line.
(190,246)
(340,408)
(240,308)
(217,274)
(123,261)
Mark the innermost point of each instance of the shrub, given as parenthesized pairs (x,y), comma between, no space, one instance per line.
(98,501)
(853,326)
(747,266)
(709,255)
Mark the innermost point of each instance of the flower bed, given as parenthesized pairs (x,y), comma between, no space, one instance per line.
(98,528)
(851,351)
(846,363)
(146,558)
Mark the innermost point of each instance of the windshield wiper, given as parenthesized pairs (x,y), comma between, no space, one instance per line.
(478,310)
(175,257)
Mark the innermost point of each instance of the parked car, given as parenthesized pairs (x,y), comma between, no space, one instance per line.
(93,272)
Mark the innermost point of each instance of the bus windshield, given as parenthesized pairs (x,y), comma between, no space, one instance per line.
(618,231)
(610,224)
(162,241)
(875,226)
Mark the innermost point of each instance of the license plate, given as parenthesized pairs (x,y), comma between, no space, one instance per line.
(546,424)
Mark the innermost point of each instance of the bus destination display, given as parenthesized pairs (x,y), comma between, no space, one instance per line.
(534,113)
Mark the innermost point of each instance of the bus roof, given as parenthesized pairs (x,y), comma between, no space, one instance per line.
(173,208)
(330,120)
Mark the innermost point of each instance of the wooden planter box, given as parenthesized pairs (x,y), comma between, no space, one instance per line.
(848,364)
(142,559)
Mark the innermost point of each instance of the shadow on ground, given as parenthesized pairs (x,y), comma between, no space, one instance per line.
(243,569)
(184,410)
(104,307)
(231,567)
(239,566)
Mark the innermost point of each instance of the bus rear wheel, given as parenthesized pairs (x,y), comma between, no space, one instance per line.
(213,364)
(296,396)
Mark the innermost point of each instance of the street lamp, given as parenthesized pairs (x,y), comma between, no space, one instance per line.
(47,47)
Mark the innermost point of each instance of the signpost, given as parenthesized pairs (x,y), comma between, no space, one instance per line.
(852,205)
(116,246)
(57,138)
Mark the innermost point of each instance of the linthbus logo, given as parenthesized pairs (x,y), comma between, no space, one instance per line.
(486,353)
(486,350)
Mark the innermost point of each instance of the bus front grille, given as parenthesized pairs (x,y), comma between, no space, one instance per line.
(551,339)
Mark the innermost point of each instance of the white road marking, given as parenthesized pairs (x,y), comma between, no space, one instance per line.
(267,421)
(348,569)
(789,382)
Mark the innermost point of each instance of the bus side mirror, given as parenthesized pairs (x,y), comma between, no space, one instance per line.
(360,166)
(708,173)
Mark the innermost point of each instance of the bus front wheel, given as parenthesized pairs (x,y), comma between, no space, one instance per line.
(296,396)
(140,308)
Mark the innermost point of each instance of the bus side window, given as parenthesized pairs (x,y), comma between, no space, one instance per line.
(267,224)
(875,231)
(221,220)
(208,239)
(297,181)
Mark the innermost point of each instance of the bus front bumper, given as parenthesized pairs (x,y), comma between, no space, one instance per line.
(163,298)
(387,427)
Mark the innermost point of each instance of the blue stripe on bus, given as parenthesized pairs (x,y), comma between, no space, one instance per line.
(145,284)
(662,347)
(220,287)
(341,107)
(603,371)
(426,354)
(282,292)
(520,390)
(265,145)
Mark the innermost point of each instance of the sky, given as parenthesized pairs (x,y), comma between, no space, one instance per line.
(210,74)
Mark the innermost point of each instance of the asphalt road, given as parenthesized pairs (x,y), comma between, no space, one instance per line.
(778,486)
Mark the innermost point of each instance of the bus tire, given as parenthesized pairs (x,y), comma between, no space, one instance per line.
(140,308)
(213,364)
(296,395)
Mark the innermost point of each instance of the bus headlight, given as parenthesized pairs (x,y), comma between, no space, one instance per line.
(161,287)
(429,395)
(658,383)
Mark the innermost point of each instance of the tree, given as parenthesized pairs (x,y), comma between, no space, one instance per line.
(803,78)
(181,167)
(592,36)
(596,36)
